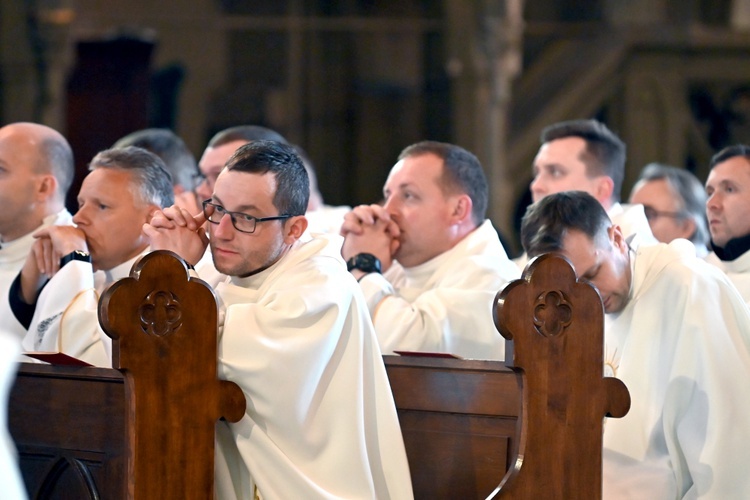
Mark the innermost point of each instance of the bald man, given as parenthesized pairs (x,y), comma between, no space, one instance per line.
(36,171)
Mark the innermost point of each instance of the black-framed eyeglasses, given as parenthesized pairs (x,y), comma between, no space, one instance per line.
(242,222)
(653,214)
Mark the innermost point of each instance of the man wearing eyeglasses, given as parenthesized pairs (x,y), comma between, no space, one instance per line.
(674,202)
(295,336)
(728,211)
(70,266)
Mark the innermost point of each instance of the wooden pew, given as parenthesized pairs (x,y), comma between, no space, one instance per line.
(145,429)
(472,429)
(529,427)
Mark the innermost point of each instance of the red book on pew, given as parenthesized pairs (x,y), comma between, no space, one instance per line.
(56,358)
(420,354)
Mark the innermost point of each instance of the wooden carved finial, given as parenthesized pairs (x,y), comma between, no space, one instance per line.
(164,328)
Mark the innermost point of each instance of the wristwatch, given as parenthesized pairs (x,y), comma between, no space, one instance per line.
(366,262)
(75,255)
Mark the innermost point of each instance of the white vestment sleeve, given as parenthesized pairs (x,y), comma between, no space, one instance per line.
(445,304)
(66,317)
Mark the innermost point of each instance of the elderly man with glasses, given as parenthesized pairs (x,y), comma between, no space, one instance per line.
(674,202)
(296,337)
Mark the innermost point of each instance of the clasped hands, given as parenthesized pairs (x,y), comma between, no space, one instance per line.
(175,229)
(50,245)
(370,229)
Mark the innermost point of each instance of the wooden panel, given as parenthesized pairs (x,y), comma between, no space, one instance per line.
(459,419)
(71,440)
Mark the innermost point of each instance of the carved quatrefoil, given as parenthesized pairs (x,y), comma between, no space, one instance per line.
(160,314)
(552,313)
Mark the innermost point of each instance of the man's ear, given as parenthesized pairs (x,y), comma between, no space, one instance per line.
(294,228)
(47,186)
(462,206)
(605,186)
(687,226)
(617,238)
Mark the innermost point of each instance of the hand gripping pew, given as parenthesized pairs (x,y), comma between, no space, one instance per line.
(144,429)
(529,427)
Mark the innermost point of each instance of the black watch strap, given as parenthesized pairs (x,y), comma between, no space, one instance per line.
(75,255)
(366,262)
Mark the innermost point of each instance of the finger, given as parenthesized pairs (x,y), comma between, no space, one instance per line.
(160,221)
(351,226)
(380,212)
(174,214)
(365,214)
(200,218)
(190,221)
(37,249)
(393,229)
(48,252)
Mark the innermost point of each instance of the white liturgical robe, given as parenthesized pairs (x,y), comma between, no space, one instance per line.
(12,257)
(320,419)
(680,345)
(445,304)
(737,270)
(66,316)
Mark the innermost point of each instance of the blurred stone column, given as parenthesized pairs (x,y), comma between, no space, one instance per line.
(485,54)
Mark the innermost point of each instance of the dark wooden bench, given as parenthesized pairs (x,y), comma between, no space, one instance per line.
(145,429)
(530,427)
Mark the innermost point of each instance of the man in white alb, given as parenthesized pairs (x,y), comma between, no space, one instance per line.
(586,155)
(441,260)
(728,211)
(295,336)
(678,335)
(56,294)
(36,170)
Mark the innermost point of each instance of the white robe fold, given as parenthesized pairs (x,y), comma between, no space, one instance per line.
(445,304)
(11,484)
(66,316)
(681,346)
(737,270)
(320,419)
(12,257)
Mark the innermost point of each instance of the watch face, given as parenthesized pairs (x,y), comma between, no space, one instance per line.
(364,262)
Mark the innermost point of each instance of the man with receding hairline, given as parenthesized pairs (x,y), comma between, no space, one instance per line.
(55,296)
(428,260)
(36,171)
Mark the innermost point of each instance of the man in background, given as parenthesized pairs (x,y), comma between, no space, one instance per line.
(36,171)
(674,202)
(677,334)
(586,155)
(177,158)
(728,212)
(56,294)
(428,260)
